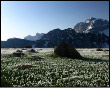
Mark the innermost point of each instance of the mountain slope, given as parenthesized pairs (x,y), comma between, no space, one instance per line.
(77,40)
(93,25)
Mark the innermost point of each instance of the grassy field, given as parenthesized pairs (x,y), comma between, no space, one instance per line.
(55,71)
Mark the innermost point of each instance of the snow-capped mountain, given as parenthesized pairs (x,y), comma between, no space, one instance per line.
(93,33)
(93,25)
(34,38)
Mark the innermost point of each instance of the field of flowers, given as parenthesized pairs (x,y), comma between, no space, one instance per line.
(55,71)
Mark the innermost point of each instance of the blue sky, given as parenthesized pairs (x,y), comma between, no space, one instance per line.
(22,18)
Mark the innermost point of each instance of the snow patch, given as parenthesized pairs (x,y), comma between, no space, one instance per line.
(90,27)
(87,21)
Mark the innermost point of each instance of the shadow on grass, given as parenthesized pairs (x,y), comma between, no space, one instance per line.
(82,58)
(4,83)
(92,59)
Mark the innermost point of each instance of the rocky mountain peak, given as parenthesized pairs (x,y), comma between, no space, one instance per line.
(93,25)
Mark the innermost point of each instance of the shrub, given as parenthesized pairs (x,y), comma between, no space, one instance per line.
(99,49)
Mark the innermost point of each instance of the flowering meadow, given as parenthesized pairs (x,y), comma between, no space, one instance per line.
(55,71)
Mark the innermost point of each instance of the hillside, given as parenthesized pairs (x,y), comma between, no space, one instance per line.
(16,42)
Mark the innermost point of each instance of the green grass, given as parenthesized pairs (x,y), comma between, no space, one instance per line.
(53,71)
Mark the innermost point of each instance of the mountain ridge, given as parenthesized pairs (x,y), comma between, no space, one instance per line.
(92,33)
(34,38)
(16,42)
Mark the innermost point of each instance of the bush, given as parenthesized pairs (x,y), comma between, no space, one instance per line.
(99,49)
